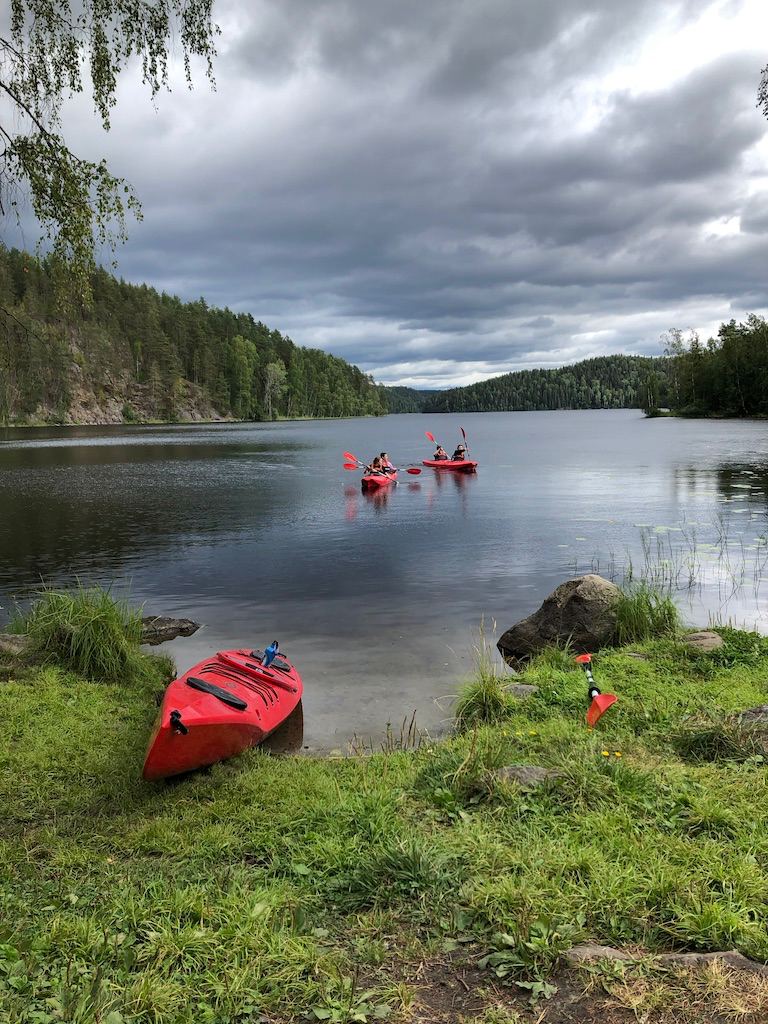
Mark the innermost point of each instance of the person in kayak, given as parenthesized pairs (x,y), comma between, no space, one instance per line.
(375,468)
(386,465)
(440,454)
(460,454)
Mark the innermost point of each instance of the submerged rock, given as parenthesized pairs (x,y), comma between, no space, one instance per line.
(581,612)
(156,629)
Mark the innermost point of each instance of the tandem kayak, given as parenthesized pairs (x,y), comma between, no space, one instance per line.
(460,465)
(217,709)
(379,479)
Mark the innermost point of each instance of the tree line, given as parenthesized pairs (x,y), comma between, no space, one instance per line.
(606,382)
(136,340)
(726,376)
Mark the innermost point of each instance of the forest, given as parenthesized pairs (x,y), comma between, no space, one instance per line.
(727,376)
(148,355)
(607,382)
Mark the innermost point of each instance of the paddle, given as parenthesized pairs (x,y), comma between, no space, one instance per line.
(357,464)
(463,434)
(598,702)
(431,437)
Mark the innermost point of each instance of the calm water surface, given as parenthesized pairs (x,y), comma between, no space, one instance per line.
(257,531)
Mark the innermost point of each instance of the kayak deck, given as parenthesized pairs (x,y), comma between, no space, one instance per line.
(459,465)
(219,708)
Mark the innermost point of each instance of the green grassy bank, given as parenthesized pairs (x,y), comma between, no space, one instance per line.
(270,889)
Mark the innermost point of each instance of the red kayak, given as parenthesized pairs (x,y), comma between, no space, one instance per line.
(379,479)
(460,465)
(219,708)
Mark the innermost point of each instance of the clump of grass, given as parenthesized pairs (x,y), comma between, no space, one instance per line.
(86,631)
(643,612)
(484,701)
(710,740)
(408,871)
(558,658)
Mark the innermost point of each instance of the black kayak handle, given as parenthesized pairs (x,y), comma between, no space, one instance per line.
(225,696)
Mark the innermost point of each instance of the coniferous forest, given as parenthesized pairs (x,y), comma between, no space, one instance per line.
(139,354)
(608,382)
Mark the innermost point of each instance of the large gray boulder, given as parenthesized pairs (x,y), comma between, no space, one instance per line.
(581,612)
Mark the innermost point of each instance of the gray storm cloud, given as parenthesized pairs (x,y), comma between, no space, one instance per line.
(442,191)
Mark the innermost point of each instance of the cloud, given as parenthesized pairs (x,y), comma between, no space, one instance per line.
(441,192)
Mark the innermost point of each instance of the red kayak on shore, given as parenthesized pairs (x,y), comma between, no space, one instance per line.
(460,465)
(379,479)
(217,709)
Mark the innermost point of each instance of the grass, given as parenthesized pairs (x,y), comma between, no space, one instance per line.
(284,888)
(644,611)
(85,630)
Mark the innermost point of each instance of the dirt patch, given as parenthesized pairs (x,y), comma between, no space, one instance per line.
(452,990)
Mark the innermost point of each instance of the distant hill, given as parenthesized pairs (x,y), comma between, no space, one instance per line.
(406,399)
(139,355)
(607,382)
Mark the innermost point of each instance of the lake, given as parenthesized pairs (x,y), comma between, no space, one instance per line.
(256,531)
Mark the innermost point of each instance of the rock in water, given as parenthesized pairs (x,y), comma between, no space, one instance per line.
(156,629)
(581,612)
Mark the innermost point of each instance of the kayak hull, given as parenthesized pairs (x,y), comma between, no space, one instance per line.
(378,480)
(220,707)
(458,465)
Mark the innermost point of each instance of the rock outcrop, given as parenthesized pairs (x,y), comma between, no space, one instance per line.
(581,612)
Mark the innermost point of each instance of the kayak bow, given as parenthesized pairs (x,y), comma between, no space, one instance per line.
(219,708)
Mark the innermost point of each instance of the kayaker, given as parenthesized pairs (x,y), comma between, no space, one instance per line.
(460,454)
(375,468)
(386,465)
(440,454)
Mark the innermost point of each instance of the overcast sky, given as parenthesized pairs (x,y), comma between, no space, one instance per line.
(444,190)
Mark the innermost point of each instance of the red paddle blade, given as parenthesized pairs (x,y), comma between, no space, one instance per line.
(431,437)
(583,659)
(598,707)
(351,457)
(413,472)
(351,465)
